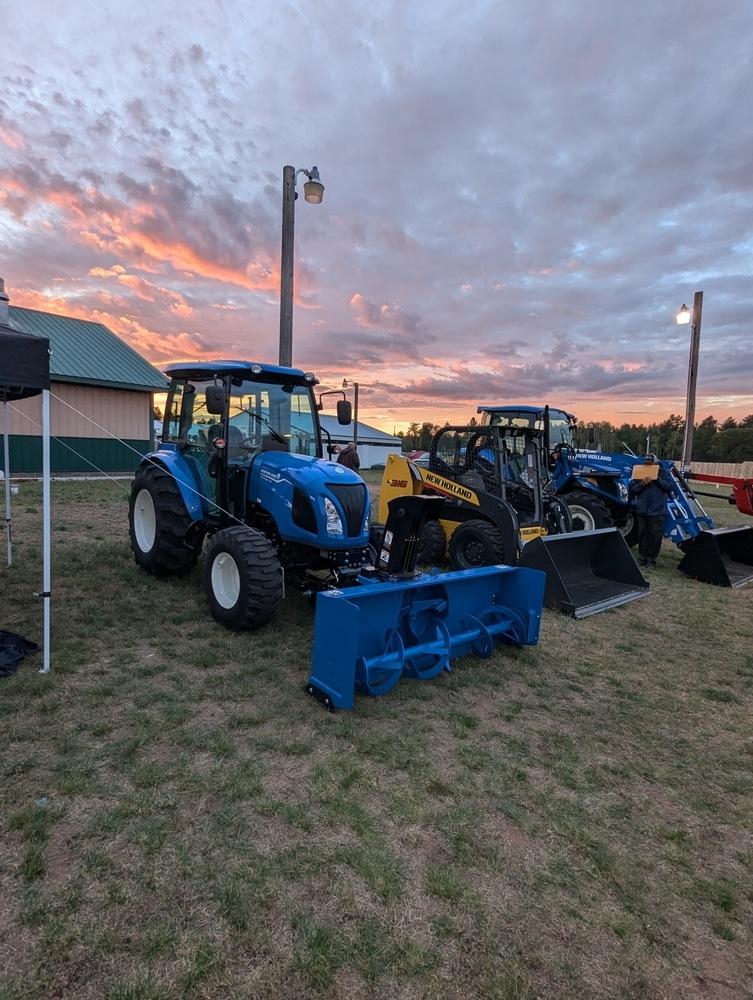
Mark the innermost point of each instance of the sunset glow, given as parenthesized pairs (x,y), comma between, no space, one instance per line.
(533,247)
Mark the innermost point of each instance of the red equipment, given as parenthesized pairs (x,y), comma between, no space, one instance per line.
(742,489)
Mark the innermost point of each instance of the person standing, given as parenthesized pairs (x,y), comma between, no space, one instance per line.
(650,497)
(349,457)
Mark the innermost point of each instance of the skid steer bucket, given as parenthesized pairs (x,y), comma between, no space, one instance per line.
(720,555)
(367,637)
(586,571)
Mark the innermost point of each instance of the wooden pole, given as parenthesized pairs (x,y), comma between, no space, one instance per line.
(286,266)
(355,415)
(695,341)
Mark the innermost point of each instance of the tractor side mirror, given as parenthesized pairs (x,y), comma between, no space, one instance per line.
(344,412)
(215,399)
(592,434)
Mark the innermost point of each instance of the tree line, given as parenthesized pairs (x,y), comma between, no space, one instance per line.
(715,441)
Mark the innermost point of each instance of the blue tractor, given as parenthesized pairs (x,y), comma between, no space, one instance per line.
(241,448)
(240,477)
(594,484)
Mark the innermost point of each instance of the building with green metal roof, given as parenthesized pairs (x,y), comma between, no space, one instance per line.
(101,403)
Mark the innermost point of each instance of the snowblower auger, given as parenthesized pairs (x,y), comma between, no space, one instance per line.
(401,623)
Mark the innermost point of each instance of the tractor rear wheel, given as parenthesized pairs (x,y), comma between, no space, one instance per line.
(588,511)
(242,577)
(478,543)
(432,544)
(629,529)
(158,522)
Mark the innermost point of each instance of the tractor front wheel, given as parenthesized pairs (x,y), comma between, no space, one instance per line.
(242,578)
(158,523)
(588,512)
(432,544)
(477,543)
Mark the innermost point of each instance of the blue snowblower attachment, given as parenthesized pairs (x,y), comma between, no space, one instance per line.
(401,623)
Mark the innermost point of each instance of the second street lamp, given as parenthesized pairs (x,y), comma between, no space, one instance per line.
(684,317)
(313,192)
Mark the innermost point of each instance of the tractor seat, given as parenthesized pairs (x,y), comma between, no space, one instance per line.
(269,443)
(473,480)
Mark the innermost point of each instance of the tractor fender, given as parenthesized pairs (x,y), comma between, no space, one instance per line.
(586,483)
(190,490)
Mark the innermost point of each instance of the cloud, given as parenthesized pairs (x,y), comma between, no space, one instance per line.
(517,196)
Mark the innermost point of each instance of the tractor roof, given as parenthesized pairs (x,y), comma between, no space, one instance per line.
(507,408)
(252,371)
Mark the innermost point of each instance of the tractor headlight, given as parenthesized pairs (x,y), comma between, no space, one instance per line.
(623,491)
(334,521)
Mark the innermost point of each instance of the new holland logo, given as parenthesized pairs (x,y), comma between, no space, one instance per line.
(447,486)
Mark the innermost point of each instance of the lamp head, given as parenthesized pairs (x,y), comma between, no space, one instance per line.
(683,315)
(313,189)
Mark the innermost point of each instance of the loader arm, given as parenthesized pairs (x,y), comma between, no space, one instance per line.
(461,503)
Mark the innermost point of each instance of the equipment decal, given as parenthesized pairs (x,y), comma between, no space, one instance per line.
(447,486)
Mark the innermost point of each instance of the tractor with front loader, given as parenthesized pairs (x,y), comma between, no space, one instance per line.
(496,510)
(594,485)
(240,478)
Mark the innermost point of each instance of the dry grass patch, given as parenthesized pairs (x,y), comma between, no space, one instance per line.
(178,820)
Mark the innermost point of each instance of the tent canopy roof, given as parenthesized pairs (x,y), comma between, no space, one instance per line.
(24,364)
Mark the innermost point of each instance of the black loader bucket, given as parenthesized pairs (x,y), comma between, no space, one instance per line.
(586,571)
(720,555)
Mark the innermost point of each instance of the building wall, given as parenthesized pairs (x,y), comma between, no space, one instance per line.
(124,413)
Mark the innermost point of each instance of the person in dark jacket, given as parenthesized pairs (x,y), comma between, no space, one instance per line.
(349,457)
(650,496)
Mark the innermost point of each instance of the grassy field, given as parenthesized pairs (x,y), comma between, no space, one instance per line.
(178,820)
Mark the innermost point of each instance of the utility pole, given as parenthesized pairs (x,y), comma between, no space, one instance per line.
(695,341)
(355,415)
(286,266)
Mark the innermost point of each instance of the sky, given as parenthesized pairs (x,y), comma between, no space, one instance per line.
(518,196)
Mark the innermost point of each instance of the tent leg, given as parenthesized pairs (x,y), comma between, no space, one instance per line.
(6,480)
(46,526)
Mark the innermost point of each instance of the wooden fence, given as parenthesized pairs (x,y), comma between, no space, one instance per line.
(739,470)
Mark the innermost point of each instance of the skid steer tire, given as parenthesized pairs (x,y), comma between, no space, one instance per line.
(158,522)
(477,543)
(242,578)
(587,511)
(432,544)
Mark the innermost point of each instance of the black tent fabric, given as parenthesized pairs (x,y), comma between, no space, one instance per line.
(24,364)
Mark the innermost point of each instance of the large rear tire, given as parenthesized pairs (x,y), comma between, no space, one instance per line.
(158,523)
(629,529)
(588,512)
(477,543)
(432,544)
(242,578)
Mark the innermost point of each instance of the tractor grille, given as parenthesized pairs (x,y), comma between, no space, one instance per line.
(352,499)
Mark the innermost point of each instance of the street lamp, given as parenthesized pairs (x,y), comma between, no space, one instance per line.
(313,192)
(355,385)
(684,317)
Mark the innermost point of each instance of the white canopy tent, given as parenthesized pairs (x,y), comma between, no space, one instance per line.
(25,371)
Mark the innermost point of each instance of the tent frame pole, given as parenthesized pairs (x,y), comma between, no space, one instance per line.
(6,480)
(46,529)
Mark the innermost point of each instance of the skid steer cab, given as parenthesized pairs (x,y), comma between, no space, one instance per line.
(240,464)
(496,509)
